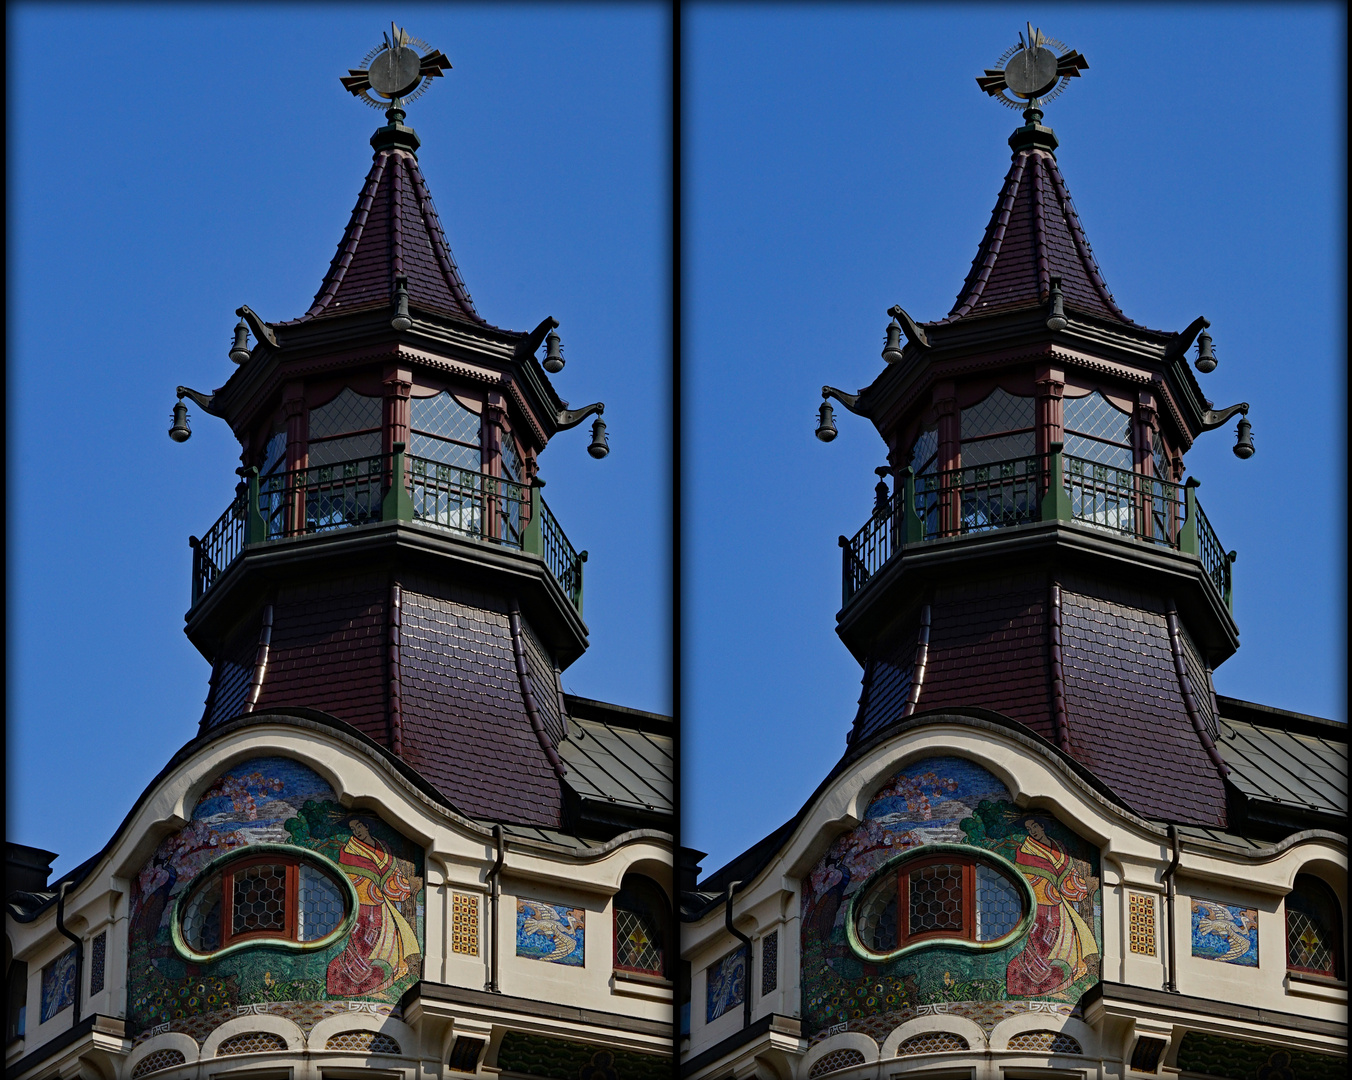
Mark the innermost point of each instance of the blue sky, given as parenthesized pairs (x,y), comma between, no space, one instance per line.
(842,159)
(189,159)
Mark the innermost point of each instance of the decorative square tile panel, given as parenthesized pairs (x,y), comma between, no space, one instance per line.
(1141,923)
(464,924)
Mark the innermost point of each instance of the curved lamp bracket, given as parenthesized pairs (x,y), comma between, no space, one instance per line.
(1214,419)
(850,401)
(261,330)
(528,344)
(570,418)
(204,401)
(1181,344)
(914,334)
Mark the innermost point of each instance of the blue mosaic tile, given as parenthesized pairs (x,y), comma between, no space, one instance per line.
(58,984)
(1225,933)
(550,932)
(726,984)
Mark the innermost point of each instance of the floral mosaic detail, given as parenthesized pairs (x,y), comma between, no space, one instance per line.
(550,932)
(1225,933)
(276,800)
(950,800)
(58,985)
(725,984)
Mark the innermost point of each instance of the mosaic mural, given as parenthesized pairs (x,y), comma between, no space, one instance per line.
(725,984)
(58,985)
(550,932)
(951,800)
(1224,932)
(274,800)
(1219,1056)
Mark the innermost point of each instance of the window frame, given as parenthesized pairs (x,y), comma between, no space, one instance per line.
(224,868)
(902,866)
(1334,929)
(664,930)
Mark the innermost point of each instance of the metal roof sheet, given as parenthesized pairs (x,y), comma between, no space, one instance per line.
(620,765)
(1273,765)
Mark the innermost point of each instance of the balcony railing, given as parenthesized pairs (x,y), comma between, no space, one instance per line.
(323,498)
(1049,487)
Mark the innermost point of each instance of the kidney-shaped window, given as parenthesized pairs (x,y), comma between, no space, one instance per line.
(939,893)
(276,896)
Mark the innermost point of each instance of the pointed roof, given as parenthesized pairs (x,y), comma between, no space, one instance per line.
(1034,233)
(394,230)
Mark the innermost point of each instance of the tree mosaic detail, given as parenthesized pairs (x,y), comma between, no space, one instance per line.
(283,804)
(1046,966)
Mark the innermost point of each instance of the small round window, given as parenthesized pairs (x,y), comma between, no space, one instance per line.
(946,895)
(277,897)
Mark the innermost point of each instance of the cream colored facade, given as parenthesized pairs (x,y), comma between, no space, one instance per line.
(591,1004)
(1266,1004)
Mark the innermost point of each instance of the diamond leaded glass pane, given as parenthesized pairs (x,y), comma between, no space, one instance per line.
(1311,917)
(449,453)
(349,411)
(1118,457)
(511,460)
(1095,415)
(999,907)
(321,906)
(1000,411)
(1001,448)
(924,453)
(1160,456)
(936,898)
(636,942)
(260,899)
(348,448)
(275,454)
(444,417)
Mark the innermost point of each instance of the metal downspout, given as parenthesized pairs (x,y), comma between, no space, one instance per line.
(260,670)
(79,950)
(746,992)
(921,660)
(494,902)
(1171,973)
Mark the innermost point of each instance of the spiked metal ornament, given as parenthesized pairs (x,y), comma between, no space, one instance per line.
(395,70)
(1031,71)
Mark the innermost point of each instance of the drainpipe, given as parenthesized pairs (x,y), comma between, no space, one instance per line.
(746,993)
(79,950)
(494,902)
(1171,973)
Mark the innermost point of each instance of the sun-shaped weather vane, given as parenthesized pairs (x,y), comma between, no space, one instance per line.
(1031,71)
(396,70)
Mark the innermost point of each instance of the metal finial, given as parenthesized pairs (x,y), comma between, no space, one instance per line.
(1031,71)
(396,70)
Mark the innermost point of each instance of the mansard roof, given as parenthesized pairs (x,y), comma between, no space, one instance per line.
(1033,234)
(394,230)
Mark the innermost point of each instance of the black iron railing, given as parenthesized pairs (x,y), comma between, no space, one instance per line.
(344,495)
(1002,494)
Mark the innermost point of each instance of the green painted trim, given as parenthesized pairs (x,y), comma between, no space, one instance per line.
(219,863)
(398,502)
(255,531)
(1187,538)
(533,539)
(1056,501)
(911,532)
(910,855)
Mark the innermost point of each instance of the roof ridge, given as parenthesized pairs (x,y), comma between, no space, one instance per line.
(347,246)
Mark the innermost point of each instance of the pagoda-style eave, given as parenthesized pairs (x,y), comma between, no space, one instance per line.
(1098,346)
(1050,546)
(341,341)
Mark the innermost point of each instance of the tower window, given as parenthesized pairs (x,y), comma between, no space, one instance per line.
(346,429)
(947,896)
(272,897)
(641,926)
(443,430)
(1098,431)
(1313,941)
(997,428)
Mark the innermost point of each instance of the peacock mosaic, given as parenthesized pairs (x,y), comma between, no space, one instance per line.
(1045,967)
(276,801)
